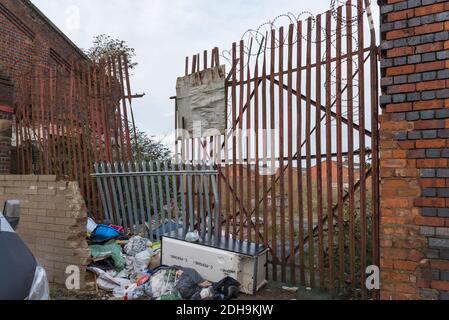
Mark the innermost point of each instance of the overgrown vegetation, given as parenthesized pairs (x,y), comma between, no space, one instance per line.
(104,45)
(150,148)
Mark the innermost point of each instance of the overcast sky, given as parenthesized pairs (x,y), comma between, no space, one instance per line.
(163,34)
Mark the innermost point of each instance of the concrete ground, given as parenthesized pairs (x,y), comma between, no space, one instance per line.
(275,291)
(272,291)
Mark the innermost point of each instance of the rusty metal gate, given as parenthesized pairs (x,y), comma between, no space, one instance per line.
(69,117)
(298,166)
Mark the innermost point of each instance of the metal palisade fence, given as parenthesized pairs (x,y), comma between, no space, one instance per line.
(298,165)
(70,116)
(154,198)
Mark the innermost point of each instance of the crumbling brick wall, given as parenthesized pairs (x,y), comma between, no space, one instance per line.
(414,201)
(52,223)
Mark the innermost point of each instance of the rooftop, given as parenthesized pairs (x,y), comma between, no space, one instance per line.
(49,22)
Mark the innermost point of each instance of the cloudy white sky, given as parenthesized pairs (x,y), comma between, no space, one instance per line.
(163,34)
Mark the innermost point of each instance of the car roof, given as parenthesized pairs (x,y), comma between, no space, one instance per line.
(4,224)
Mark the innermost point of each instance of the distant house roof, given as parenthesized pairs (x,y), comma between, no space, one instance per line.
(324,163)
(51,24)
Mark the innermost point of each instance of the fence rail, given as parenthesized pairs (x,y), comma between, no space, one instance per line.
(153,198)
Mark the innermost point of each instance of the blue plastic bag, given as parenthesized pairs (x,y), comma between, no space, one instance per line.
(105,233)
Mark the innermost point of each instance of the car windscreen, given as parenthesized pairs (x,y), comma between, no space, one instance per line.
(4,225)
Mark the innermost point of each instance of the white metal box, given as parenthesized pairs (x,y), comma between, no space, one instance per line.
(242,261)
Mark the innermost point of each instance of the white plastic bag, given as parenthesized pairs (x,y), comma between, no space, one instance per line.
(91,225)
(207,293)
(142,260)
(108,283)
(133,292)
(193,236)
(159,285)
(137,245)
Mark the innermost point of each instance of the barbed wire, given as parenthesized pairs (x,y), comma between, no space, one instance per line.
(256,43)
(254,39)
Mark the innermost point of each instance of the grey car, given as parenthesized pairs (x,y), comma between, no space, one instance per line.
(21,276)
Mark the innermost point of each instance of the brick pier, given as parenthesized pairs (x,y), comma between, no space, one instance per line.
(415,149)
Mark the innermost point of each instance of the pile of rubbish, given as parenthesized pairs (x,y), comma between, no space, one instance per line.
(128,267)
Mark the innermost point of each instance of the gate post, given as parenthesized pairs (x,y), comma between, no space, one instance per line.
(414,142)
(6,117)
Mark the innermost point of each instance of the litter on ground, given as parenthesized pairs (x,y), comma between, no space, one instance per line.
(128,268)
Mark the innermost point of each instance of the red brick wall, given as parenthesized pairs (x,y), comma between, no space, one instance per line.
(334,168)
(26,38)
(414,202)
